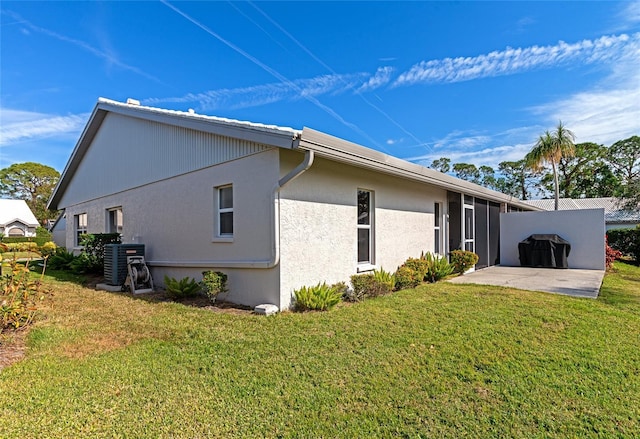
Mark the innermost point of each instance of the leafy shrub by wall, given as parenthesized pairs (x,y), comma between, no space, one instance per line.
(213,283)
(321,297)
(462,260)
(626,241)
(91,259)
(180,289)
(406,278)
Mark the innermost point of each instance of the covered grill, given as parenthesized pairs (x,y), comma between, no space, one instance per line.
(548,251)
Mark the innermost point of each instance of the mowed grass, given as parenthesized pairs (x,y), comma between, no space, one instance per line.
(442,360)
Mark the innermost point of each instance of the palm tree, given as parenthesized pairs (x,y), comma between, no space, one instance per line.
(549,149)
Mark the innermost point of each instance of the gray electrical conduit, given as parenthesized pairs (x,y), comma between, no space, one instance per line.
(275,260)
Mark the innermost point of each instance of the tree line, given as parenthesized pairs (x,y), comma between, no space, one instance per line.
(583,170)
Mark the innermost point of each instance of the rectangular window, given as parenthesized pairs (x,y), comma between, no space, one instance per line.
(365,227)
(436,229)
(115,222)
(225,211)
(80,226)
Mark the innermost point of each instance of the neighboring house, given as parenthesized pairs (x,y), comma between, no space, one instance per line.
(615,217)
(16,219)
(274,208)
(59,230)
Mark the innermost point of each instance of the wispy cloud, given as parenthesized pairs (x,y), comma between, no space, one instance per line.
(608,112)
(273,72)
(630,14)
(511,61)
(108,56)
(244,97)
(380,78)
(18,126)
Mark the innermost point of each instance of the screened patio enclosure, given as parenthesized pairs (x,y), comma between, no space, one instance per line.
(474,225)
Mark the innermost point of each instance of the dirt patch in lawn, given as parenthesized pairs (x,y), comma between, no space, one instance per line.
(12,347)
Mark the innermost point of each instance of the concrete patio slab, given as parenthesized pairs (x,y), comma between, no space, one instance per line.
(571,282)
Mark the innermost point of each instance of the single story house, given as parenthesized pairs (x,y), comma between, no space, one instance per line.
(17,219)
(274,208)
(615,216)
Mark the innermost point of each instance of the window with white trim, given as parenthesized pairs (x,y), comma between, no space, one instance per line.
(80,227)
(224,211)
(365,227)
(115,219)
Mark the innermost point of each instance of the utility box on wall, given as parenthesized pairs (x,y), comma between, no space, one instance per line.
(115,261)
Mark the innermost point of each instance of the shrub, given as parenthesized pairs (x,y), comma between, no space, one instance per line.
(419,267)
(626,241)
(320,297)
(47,249)
(61,259)
(91,260)
(384,282)
(19,297)
(406,278)
(213,283)
(180,289)
(342,288)
(462,260)
(44,234)
(361,284)
(611,255)
(437,267)
(22,246)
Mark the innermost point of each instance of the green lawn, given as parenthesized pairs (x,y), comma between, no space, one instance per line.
(442,360)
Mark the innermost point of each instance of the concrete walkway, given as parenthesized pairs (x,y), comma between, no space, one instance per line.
(571,282)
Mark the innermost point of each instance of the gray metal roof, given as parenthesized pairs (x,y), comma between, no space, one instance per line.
(613,212)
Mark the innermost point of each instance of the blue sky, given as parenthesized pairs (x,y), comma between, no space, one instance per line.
(474,81)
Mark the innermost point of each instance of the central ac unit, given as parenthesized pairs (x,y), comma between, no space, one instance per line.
(115,261)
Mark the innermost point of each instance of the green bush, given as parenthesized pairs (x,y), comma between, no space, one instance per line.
(419,267)
(213,283)
(42,233)
(437,267)
(83,264)
(361,284)
(91,260)
(384,282)
(406,278)
(342,288)
(180,289)
(462,260)
(47,249)
(320,297)
(61,259)
(38,240)
(22,246)
(626,241)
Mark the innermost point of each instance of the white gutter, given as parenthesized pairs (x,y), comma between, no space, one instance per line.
(262,264)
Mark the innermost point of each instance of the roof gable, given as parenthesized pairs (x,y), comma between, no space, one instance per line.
(325,145)
(16,210)
(250,133)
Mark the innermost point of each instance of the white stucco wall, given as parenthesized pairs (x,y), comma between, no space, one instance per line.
(318,214)
(175,219)
(584,229)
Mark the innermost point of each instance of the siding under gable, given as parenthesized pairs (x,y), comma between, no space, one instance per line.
(129,152)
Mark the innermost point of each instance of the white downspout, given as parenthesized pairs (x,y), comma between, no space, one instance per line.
(275,259)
